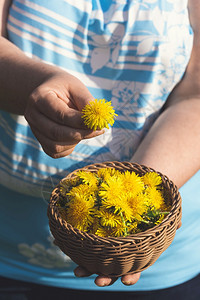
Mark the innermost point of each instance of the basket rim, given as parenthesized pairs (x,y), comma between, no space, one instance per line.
(54,211)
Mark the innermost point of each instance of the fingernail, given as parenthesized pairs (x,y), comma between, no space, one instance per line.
(127,282)
(100,131)
(103,284)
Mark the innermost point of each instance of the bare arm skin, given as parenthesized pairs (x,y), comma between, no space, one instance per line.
(4,6)
(172,145)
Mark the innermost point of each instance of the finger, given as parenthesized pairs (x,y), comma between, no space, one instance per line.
(100,280)
(179,225)
(104,280)
(81,272)
(81,95)
(130,279)
(42,125)
(52,148)
(57,149)
(58,154)
(56,109)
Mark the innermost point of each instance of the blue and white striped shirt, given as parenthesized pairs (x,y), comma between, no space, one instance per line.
(130,52)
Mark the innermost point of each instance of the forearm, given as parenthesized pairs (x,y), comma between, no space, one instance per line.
(172,145)
(19,76)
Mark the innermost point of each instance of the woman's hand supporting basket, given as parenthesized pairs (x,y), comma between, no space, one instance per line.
(106,280)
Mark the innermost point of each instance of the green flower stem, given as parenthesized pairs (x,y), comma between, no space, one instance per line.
(125,229)
(146,222)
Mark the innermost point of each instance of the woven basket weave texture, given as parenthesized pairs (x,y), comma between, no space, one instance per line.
(111,255)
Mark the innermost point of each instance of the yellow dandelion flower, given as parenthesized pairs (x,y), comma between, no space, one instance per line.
(108,231)
(132,183)
(67,184)
(98,114)
(119,230)
(154,198)
(104,232)
(132,228)
(111,188)
(81,190)
(112,196)
(152,179)
(79,212)
(88,178)
(119,205)
(108,218)
(93,227)
(106,173)
(138,205)
(110,199)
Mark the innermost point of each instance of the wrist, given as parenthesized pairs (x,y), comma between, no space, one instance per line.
(19,77)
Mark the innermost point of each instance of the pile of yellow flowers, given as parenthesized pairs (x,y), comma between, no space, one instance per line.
(113,203)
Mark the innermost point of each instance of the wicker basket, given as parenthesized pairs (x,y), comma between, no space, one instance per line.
(116,256)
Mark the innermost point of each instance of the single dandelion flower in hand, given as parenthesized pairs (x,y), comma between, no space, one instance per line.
(98,114)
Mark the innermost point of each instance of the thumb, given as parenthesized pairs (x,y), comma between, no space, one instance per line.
(79,94)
